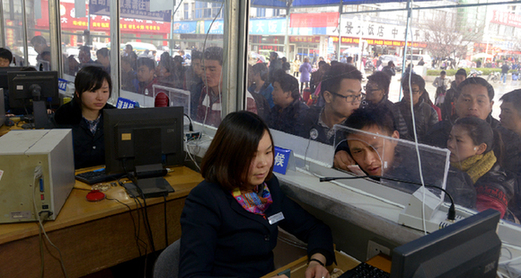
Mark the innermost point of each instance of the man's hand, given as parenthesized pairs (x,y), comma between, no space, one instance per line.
(342,160)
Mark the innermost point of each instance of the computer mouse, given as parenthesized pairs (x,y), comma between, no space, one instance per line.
(9,122)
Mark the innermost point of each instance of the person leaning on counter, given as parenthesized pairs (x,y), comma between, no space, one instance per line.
(230,220)
(84,114)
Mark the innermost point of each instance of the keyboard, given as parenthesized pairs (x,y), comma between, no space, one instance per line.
(97,176)
(365,270)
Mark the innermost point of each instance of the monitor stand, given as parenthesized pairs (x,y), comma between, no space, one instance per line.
(151,187)
(41,119)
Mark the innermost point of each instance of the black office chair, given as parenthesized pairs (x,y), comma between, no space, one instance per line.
(167,264)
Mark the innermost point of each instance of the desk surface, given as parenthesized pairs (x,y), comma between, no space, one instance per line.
(94,235)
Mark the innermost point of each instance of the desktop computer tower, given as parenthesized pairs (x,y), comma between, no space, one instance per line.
(36,173)
(2,107)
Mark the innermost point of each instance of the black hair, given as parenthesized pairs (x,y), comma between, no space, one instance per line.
(415,80)
(105,52)
(462,72)
(334,76)
(321,63)
(481,132)
(214,53)
(514,97)
(349,59)
(274,54)
(475,81)
(261,69)
(38,40)
(148,62)
(85,48)
(197,55)
(390,63)
(372,115)
(382,79)
(129,46)
(287,82)
(443,72)
(6,54)
(90,78)
(229,168)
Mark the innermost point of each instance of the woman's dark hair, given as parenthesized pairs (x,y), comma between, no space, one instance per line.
(481,132)
(227,160)
(287,82)
(90,78)
(6,54)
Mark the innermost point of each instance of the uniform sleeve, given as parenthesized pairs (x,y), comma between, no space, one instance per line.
(307,228)
(199,223)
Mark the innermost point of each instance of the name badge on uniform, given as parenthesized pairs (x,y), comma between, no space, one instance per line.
(275,218)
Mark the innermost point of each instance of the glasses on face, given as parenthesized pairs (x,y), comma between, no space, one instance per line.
(414,92)
(350,98)
(369,90)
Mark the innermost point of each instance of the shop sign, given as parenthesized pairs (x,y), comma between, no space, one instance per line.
(308,39)
(100,23)
(505,18)
(351,40)
(9,33)
(310,20)
(267,26)
(130,9)
(373,30)
(185,27)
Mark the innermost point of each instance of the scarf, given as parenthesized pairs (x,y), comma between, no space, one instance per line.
(255,202)
(476,166)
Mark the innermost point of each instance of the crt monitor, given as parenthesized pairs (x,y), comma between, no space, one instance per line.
(27,86)
(468,248)
(143,140)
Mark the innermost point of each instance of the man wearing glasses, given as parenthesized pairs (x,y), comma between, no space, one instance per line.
(377,93)
(342,92)
(424,115)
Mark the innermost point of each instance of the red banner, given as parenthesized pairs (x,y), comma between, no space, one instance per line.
(100,23)
(505,18)
(310,39)
(314,20)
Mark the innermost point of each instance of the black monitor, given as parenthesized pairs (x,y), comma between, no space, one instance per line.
(468,248)
(143,140)
(3,76)
(27,86)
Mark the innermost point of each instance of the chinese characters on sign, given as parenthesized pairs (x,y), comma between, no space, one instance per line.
(505,18)
(381,31)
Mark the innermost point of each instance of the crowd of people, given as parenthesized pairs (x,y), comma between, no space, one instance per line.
(459,118)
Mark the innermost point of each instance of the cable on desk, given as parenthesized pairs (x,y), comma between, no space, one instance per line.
(37,176)
(136,236)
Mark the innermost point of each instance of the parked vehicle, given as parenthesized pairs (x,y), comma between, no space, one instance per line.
(475,73)
(494,76)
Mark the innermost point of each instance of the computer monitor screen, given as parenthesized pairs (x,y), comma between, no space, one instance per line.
(143,139)
(3,75)
(25,86)
(468,248)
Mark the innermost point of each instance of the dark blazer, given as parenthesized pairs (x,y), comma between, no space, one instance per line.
(89,149)
(220,238)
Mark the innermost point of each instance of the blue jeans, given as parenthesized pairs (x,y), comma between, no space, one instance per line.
(504,77)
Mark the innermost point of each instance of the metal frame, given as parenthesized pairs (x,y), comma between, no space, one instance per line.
(115,38)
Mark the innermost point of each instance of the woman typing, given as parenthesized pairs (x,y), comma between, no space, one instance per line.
(230,221)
